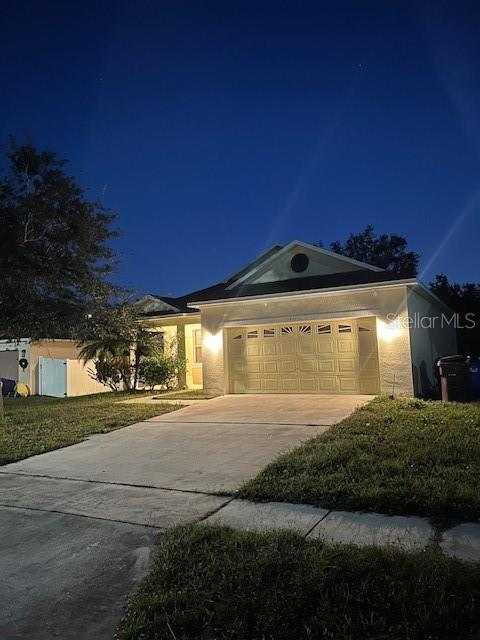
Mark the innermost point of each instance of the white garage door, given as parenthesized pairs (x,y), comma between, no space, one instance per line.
(310,357)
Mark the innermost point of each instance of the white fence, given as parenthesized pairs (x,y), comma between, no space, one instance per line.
(66,378)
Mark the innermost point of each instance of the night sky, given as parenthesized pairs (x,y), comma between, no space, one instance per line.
(217,129)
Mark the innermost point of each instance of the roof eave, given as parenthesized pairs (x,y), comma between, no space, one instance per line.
(324,291)
(183,314)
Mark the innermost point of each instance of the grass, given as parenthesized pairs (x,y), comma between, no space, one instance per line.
(191,394)
(38,424)
(212,583)
(390,456)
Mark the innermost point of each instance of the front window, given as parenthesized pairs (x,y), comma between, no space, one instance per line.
(197,346)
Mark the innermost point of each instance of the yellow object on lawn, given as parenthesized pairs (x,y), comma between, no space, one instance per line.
(22,390)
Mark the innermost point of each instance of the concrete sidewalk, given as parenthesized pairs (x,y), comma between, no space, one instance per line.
(343,527)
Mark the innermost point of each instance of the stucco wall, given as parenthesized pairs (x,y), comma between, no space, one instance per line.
(394,355)
(79,380)
(429,341)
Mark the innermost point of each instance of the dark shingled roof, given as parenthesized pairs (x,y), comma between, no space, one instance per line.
(220,291)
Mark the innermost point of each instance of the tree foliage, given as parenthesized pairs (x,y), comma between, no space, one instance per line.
(117,349)
(161,371)
(384,251)
(463,299)
(55,257)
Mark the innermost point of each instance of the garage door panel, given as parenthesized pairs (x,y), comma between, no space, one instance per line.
(307,384)
(271,385)
(270,366)
(344,365)
(269,348)
(289,385)
(286,347)
(348,384)
(368,385)
(287,366)
(254,384)
(345,346)
(325,346)
(307,365)
(327,365)
(253,349)
(369,367)
(327,356)
(327,384)
(306,347)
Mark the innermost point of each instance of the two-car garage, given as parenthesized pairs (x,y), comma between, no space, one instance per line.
(327,356)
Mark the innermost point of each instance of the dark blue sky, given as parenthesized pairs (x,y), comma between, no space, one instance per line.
(217,129)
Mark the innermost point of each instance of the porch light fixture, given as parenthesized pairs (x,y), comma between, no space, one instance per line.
(212,341)
(388,331)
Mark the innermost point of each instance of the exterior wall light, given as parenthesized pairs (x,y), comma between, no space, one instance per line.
(388,331)
(212,341)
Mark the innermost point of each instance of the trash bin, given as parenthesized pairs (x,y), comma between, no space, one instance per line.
(8,387)
(474,379)
(454,381)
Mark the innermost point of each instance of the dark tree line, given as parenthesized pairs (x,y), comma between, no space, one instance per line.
(391,252)
(55,257)
(385,251)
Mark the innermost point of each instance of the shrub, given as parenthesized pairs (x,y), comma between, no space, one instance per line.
(161,371)
(108,372)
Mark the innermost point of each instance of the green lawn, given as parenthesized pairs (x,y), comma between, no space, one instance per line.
(390,456)
(211,583)
(38,424)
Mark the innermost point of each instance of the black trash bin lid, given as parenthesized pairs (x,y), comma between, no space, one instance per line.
(456,358)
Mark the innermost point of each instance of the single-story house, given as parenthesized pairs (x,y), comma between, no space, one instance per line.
(301,319)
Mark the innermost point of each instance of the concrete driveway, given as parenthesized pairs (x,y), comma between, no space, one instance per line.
(293,409)
(77,524)
(210,447)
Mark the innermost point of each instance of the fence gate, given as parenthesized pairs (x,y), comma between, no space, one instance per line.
(52,377)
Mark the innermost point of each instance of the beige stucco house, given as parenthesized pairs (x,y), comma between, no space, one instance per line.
(300,319)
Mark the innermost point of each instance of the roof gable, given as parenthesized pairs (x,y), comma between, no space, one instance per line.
(254,264)
(151,304)
(300,260)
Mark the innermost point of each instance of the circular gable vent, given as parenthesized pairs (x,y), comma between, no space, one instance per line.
(299,262)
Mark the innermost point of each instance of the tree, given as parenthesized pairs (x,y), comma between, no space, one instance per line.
(55,256)
(464,300)
(118,347)
(385,251)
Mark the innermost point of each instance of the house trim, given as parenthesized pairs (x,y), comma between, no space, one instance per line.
(306,317)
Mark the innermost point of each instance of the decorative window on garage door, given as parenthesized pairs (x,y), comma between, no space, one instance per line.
(324,328)
(305,329)
(286,331)
(269,333)
(344,328)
